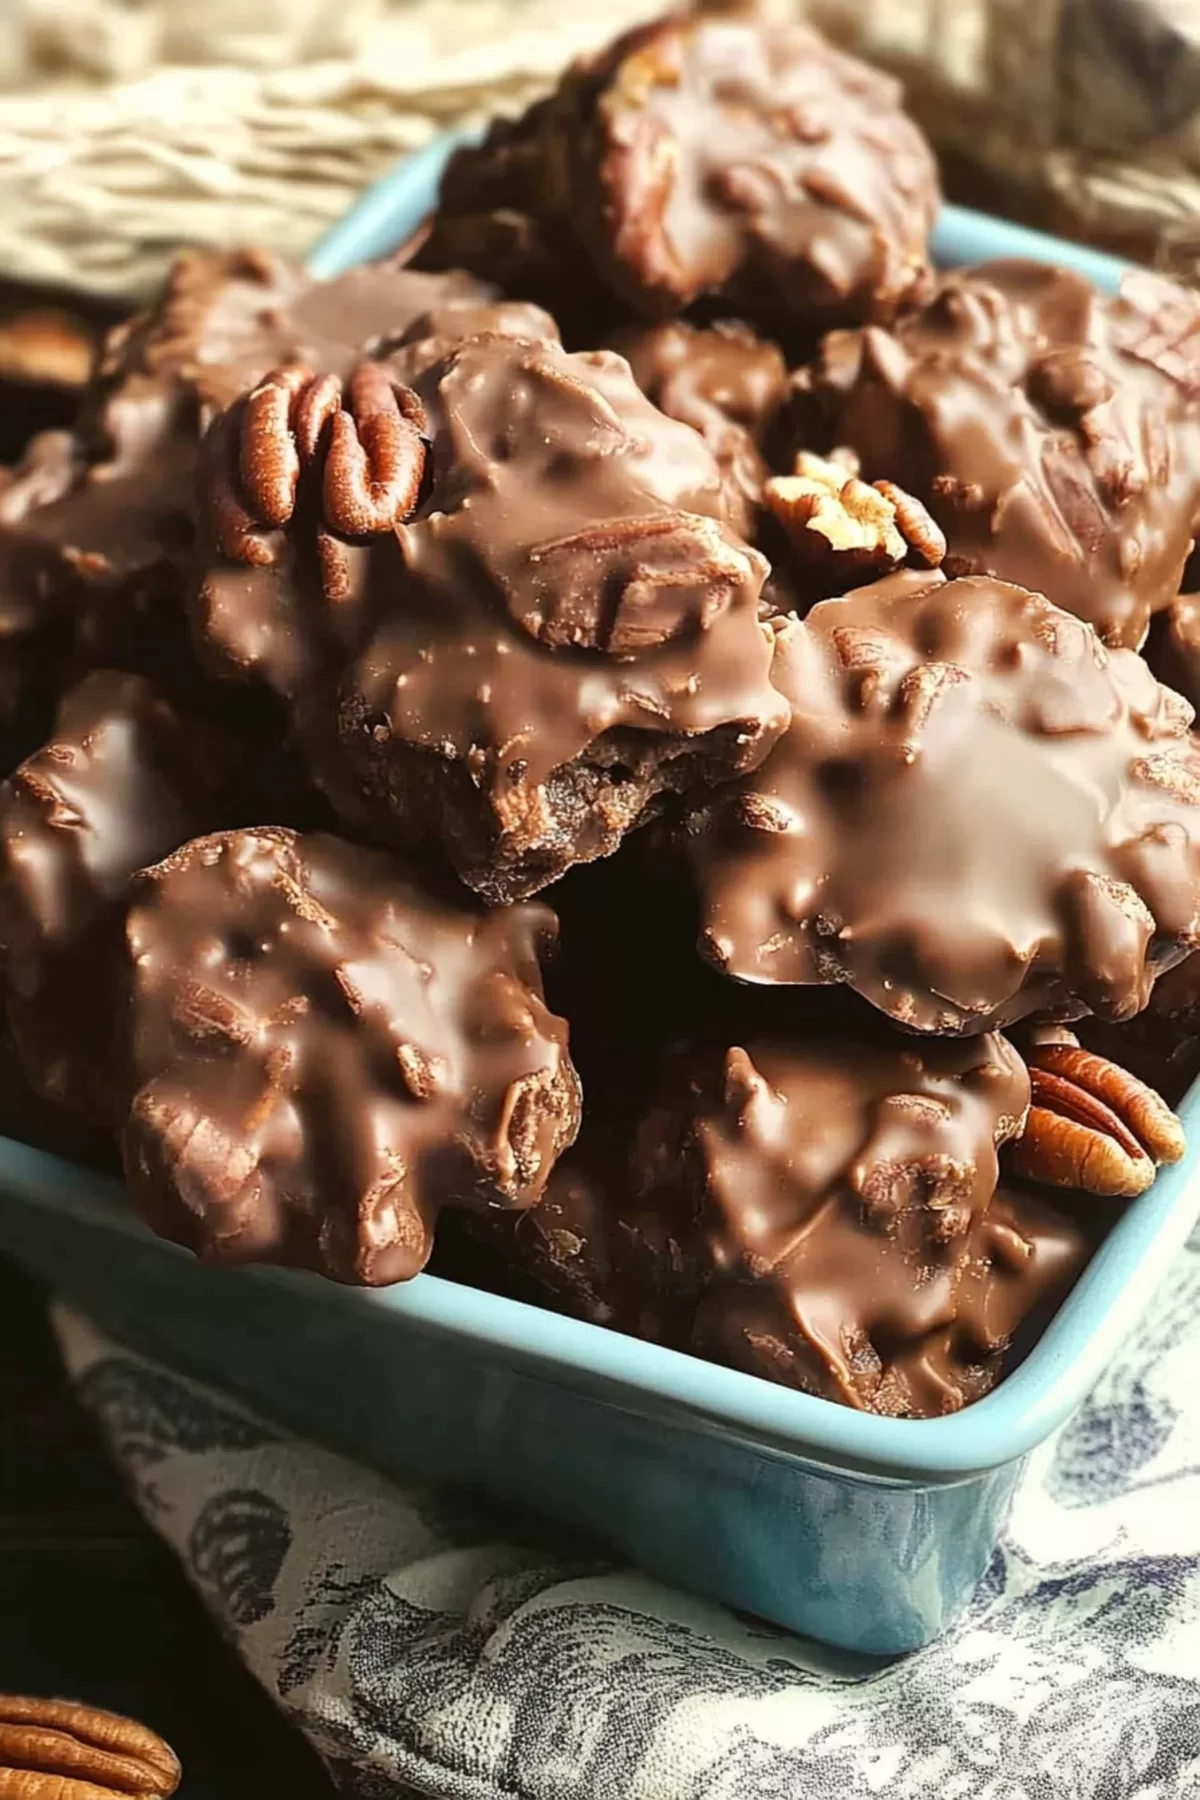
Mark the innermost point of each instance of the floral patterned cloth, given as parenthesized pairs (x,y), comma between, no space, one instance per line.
(429,1646)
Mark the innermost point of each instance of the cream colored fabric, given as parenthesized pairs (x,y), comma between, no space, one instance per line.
(281,113)
(1088,111)
(131,127)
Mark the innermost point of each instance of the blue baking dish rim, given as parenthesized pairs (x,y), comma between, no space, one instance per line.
(1020,1413)
(1033,1399)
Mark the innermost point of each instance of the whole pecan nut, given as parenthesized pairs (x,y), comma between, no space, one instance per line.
(66,1750)
(1093,1126)
(355,446)
(847,527)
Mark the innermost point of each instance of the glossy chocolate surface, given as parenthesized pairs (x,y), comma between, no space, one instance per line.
(1053,432)
(97,526)
(723,381)
(977,814)
(123,780)
(731,157)
(562,631)
(824,1213)
(325,1053)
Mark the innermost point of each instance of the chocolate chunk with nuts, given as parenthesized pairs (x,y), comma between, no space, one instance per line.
(558,631)
(935,1355)
(123,780)
(1053,433)
(824,1214)
(726,383)
(977,814)
(324,1055)
(96,526)
(734,157)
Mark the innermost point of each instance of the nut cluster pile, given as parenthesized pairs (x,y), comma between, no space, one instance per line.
(640,748)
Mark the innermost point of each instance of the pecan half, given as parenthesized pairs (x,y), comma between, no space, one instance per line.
(1093,1126)
(354,448)
(65,1750)
(847,527)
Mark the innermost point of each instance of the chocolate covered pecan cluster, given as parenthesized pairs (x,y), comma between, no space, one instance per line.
(640,749)
(730,158)
(322,1055)
(977,813)
(497,593)
(1051,431)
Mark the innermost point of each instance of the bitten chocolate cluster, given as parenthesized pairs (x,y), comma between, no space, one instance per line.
(631,750)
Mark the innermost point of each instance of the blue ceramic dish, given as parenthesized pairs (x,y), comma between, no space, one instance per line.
(867,1532)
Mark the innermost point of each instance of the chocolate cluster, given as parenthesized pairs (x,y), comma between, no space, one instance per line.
(323,1054)
(638,750)
(1050,430)
(729,159)
(579,633)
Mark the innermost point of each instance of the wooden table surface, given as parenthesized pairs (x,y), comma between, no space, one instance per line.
(94,1607)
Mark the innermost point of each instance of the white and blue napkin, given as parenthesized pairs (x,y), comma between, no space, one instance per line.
(430,1645)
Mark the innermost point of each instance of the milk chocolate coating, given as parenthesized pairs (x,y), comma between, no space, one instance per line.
(123,780)
(1053,433)
(823,1213)
(224,319)
(500,213)
(1173,647)
(736,158)
(924,1344)
(562,632)
(96,526)
(727,384)
(1162,1043)
(441,327)
(977,814)
(324,1055)
(840,1194)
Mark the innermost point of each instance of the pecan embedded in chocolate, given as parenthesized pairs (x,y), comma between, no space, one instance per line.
(1052,432)
(357,443)
(841,530)
(977,814)
(324,1054)
(97,526)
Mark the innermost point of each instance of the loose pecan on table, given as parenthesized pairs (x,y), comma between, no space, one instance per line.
(1093,1126)
(355,445)
(66,1750)
(847,527)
